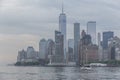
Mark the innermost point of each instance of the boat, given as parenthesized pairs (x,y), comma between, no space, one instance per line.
(86,67)
(98,65)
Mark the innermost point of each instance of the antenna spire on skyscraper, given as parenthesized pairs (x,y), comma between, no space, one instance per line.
(62,28)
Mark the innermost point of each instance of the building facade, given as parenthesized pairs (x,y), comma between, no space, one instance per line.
(91,53)
(59,48)
(27,56)
(31,54)
(114,48)
(76,41)
(91,30)
(71,50)
(22,55)
(42,49)
(62,29)
(50,50)
(106,37)
(100,50)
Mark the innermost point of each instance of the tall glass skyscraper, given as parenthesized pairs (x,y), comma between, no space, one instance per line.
(91,30)
(59,50)
(62,29)
(106,37)
(76,41)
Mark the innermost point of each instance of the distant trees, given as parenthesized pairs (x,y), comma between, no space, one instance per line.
(40,62)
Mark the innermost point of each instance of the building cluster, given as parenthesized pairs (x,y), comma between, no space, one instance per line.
(83,49)
(46,49)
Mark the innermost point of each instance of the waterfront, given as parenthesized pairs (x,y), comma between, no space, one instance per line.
(58,73)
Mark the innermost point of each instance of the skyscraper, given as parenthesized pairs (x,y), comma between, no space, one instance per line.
(91,30)
(62,29)
(106,37)
(76,41)
(30,52)
(114,48)
(42,49)
(59,50)
(99,39)
(71,50)
(100,55)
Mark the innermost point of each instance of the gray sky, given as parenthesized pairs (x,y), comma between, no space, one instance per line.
(25,22)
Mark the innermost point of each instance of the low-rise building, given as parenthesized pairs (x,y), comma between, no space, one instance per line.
(89,54)
(92,53)
(27,56)
(22,55)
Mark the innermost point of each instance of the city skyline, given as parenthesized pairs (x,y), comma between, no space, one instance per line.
(20,27)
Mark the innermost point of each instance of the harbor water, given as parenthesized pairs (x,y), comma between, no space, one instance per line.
(58,73)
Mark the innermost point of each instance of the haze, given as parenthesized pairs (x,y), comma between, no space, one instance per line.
(24,22)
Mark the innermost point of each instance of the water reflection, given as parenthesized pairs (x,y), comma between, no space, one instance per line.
(58,73)
(72,73)
(75,73)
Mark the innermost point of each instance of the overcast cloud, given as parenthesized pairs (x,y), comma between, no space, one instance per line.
(25,22)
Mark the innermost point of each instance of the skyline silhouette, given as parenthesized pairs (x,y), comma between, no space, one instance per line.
(24,23)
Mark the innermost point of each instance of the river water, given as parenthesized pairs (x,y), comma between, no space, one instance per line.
(58,73)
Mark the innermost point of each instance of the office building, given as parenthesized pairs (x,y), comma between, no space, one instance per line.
(114,48)
(42,49)
(31,53)
(22,55)
(91,54)
(50,50)
(91,30)
(71,50)
(62,29)
(76,41)
(59,48)
(106,37)
(100,50)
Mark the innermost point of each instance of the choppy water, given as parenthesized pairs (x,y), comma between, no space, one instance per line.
(59,73)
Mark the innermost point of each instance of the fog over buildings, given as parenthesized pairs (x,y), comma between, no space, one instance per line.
(25,22)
